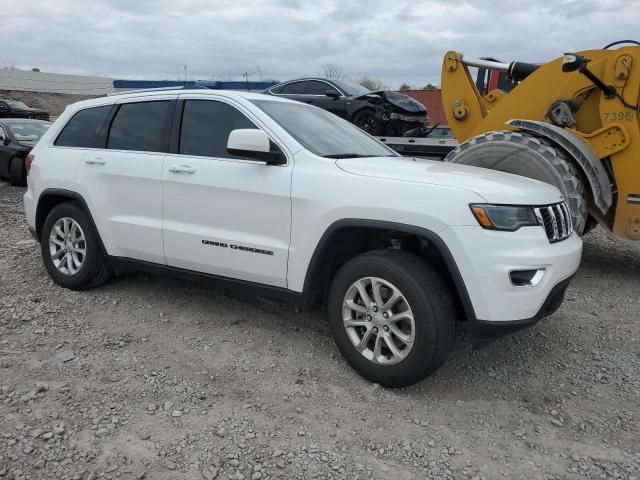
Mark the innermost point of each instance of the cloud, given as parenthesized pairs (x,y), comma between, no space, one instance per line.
(400,41)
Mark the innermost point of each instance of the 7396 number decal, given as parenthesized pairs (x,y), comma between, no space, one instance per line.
(618,116)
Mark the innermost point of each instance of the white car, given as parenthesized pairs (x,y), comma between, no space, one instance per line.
(295,203)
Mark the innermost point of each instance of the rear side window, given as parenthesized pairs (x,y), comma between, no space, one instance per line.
(318,88)
(293,88)
(139,126)
(206,125)
(83,128)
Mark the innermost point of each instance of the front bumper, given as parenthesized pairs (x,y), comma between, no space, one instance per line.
(486,329)
(485,259)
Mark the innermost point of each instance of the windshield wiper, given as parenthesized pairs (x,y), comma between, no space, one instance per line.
(338,156)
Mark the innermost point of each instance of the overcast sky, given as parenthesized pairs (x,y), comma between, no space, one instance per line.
(394,40)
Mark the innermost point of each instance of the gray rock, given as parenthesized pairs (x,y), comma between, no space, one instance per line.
(61,357)
(41,387)
(210,473)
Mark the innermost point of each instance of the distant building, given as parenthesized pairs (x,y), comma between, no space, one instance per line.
(43,82)
(432,101)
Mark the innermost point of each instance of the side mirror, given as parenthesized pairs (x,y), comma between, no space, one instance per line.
(255,144)
(331,93)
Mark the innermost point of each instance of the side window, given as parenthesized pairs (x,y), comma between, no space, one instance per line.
(83,128)
(206,125)
(138,126)
(318,88)
(277,90)
(293,88)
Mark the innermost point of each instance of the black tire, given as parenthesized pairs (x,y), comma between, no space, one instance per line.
(528,156)
(366,120)
(17,172)
(429,300)
(94,269)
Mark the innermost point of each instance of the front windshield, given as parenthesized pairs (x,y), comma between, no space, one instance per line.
(321,132)
(351,89)
(16,104)
(27,131)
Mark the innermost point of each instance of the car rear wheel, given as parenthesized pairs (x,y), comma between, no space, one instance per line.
(391,316)
(71,248)
(17,172)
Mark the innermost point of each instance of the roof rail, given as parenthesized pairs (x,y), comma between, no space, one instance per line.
(159,89)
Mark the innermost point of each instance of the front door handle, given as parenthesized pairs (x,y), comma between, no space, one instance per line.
(94,161)
(182,169)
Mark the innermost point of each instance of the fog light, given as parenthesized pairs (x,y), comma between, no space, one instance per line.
(526,278)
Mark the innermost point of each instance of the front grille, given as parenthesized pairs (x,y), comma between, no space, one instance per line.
(556,221)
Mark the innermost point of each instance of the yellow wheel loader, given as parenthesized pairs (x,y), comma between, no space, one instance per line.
(572,122)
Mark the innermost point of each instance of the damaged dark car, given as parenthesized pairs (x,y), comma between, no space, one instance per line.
(379,113)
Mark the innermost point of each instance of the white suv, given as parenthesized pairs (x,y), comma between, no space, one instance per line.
(298,204)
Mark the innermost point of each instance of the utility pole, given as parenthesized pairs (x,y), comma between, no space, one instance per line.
(185,74)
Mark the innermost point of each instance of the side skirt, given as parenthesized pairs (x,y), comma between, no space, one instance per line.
(121,265)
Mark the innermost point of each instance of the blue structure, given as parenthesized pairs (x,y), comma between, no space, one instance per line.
(214,85)
(136,84)
(239,85)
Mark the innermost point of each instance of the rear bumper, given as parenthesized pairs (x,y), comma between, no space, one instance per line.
(488,329)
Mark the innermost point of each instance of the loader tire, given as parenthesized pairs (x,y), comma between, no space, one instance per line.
(528,156)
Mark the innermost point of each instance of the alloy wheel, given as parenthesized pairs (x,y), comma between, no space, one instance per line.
(67,246)
(378,320)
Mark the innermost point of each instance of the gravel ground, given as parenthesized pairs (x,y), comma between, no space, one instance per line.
(153,377)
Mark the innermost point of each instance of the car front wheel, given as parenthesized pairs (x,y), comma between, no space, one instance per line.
(392,317)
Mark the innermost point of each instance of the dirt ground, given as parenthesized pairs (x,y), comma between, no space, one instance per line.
(154,377)
(54,103)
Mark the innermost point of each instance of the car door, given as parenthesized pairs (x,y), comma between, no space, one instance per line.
(6,152)
(316,94)
(123,179)
(223,215)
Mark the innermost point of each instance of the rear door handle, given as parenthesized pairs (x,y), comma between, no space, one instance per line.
(182,169)
(94,161)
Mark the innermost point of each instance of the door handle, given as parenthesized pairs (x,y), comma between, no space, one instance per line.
(182,169)
(94,161)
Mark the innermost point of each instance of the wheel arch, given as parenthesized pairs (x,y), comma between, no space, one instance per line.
(590,165)
(330,254)
(361,108)
(51,197)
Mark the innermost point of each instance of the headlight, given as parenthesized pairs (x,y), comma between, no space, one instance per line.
(504,217)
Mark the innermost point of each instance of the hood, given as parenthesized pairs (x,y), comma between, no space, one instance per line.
(493,186)
(399,100)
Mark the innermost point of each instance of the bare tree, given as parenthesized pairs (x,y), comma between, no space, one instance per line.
(404,87)
(430,86)
(333,70)
(372,83)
